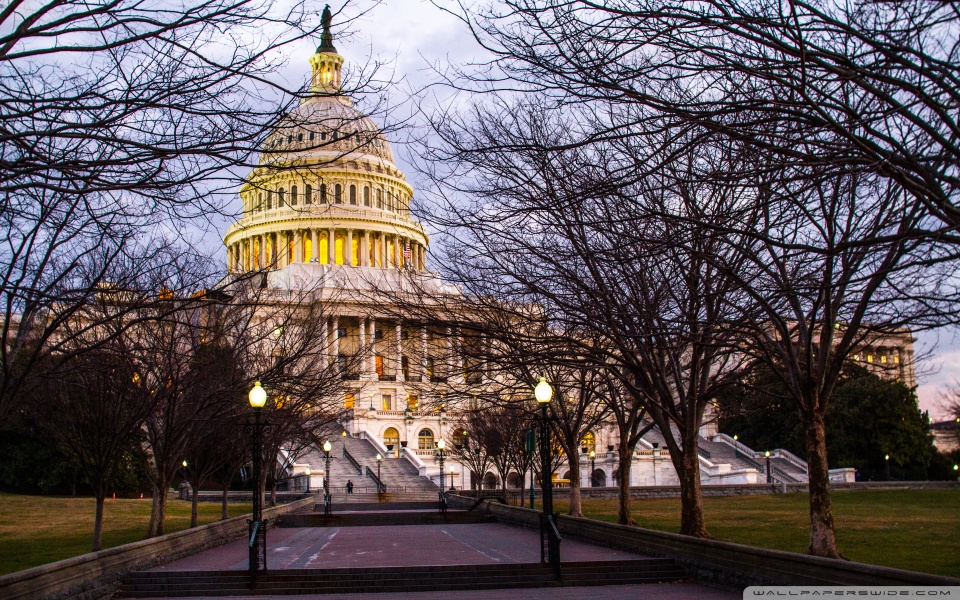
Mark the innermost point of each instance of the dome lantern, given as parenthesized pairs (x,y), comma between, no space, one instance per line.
(326,63)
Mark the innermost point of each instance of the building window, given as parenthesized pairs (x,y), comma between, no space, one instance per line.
(387,401)
(269,199)
(429,367)
(425,439)
(308,195)
(350,400)
(380,199)
(299,137)
(323,193)
(259,201)
(293,196)
(353,195)
(413,402)
(311,136)
(378,334)
(280,198)
(366,195)
(589,442)
(338,194)
(405,366)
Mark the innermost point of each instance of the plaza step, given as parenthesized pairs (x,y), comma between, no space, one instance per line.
(185,584)
(398,474)
(374,519)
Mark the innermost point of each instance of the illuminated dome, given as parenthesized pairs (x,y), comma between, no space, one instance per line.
(326,190)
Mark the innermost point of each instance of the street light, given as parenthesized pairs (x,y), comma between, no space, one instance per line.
(441,445)
(886,466)
(452,489)
(379,484)
(308,479)
(593,467)
(327,508)
(258,527)
(544,393)
(769,475)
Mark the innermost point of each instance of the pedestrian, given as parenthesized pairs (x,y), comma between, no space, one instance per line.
(349,487)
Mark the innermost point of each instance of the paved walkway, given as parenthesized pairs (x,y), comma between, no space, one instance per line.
(651,591)
(392,546)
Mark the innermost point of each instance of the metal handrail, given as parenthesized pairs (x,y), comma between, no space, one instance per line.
(703,453)
(381,487)
(785,477)
(353,461)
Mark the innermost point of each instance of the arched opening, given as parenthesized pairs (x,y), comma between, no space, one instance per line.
(353,195)
(391,439)
(513,480)
(338,250)
(323,193)
(293,196)
(366,195)
(490,481)
(280,197)
(425,439)
(308,194)
(598,478)
(338,194)
(323,249)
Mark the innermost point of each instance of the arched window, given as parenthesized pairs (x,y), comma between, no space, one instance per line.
(311,136)
(389,200)
(380,199)
(280,198)
(269,199)
(338,194)
(323,193)
(353,195)
(391,438)
(459,438)
(588,443)
(259,201)
(308,194)
(425,439)
(293,196)
(366,195)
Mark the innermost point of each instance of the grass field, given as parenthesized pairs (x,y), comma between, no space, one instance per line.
(36,530)
(917,530)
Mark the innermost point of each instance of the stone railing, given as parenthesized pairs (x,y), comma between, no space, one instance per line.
(724,563)
(98,574)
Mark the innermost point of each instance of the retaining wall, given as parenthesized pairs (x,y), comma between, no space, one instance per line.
(714,561)
(741,489)
(97,575)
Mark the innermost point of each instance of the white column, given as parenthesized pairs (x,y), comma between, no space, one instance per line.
(424,354)
(382,255)
(325,335)
(365,251)
(397,252)
(373,345)
(331,246)
(298,246)
(363,346)
(399,353)
(263,251)
(348,249)
(314,250)
(336,340)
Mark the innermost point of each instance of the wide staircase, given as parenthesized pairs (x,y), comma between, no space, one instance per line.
(165,584)
(397,474)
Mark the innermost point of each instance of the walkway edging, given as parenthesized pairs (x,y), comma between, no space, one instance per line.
(97,574)
(714,561)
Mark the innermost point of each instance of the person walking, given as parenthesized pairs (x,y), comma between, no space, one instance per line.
(349,487)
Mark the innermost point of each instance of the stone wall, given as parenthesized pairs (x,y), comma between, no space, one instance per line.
(97,575)
(714,561)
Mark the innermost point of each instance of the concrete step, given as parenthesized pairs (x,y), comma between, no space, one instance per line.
(372,519)
(397,579)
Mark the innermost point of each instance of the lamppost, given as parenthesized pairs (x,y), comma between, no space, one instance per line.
(327,508)
(593,468)
(769,475)
(543,393)
(886,466)
(258,527)
(379,458)
(440,456)
(307,473)
(452,489)
(654,454)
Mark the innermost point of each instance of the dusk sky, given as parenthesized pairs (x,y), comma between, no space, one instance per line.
(414,35)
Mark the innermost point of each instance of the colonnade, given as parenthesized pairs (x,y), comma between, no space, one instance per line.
(354,247)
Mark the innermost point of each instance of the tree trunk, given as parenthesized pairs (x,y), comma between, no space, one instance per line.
(158,508)
(623,484)
(691,498)
(576,504)
(224,513)
(823,541)
(98,523)
(194,490)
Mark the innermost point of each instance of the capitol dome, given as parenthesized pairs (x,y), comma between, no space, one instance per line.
(326,190)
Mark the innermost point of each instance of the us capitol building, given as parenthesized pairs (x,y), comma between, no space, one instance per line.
(328,210)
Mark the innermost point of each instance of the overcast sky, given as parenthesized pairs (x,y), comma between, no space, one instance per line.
(415,35)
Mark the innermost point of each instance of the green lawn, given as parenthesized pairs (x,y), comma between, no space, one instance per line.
(36,530)
(917,530)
